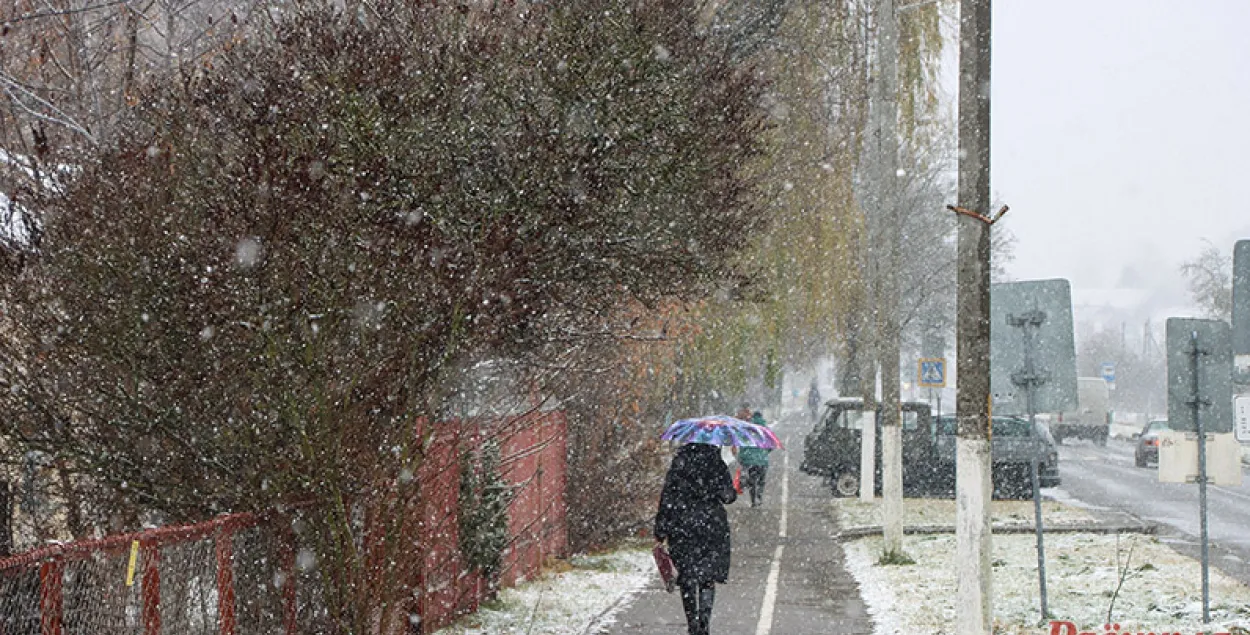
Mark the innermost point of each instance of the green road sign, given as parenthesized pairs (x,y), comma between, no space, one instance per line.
(1211,374)
(1241,298)
(1043,308)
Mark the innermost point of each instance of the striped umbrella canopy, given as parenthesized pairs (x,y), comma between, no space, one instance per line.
(722,430)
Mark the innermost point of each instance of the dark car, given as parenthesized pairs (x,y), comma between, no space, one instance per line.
(1014,446)
(1148,443)
(832,449)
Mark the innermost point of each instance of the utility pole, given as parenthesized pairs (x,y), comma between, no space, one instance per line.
(972,479)
(887,220)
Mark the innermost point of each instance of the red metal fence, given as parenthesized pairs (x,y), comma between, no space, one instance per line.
(532,459)
(171,580)
(236,574)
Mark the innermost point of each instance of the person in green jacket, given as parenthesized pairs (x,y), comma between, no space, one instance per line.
(755,460)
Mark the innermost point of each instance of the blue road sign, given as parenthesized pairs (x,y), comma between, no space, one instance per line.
(931,373)
(1108,372)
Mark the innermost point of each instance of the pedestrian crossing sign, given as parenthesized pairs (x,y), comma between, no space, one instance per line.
(931,373)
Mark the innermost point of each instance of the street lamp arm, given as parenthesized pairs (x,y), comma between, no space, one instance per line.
(978,215)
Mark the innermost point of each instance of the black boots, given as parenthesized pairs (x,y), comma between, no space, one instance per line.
(707,595)
(697,600)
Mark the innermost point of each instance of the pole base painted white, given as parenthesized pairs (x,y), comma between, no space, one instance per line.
(892,489)
(973,488)
(868,457)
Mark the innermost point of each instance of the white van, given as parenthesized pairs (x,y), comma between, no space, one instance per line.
(1092,417)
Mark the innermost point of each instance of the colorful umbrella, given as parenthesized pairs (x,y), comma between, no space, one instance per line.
(722,430)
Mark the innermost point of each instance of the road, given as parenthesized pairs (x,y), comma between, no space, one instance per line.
(1106,477)
(787,576)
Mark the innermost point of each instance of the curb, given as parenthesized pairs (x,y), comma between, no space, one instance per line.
(852,533)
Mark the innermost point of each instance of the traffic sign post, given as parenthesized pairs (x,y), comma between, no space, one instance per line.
(1033,367)
(931,372)
(1108,374)
(1029,378)
(1200,395)
(933,348)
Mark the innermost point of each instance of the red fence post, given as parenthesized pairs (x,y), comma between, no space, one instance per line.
(225,580)
(541,529)
(50,597)
(151,589)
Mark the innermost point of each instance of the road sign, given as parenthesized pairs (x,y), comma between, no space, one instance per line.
(1241,297)
(1241,410)
(1200,401)
(1054,351)
(1108,371)
(1241,309)
(1214,376)
(1178,458)
(931,372)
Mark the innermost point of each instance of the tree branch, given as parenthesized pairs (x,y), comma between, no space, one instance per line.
(9,86)
(51,13)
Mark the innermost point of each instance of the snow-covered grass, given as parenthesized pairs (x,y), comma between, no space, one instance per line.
(1161,591)
(853,513)
(580,600)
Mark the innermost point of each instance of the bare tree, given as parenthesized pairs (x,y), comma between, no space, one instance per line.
(1210,279)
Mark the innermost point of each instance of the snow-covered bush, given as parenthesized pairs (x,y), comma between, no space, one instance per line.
(253,297)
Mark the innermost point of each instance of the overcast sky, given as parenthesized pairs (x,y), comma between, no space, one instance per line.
(1121,133)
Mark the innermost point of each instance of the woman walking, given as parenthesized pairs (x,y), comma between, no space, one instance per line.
(755,460)
(693,521)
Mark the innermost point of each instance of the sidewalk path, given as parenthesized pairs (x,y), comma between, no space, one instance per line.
(788,576)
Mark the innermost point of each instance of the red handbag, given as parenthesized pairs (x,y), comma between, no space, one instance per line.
(738,479)
(664,562)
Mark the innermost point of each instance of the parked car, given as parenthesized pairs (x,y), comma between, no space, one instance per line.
(832,449)
(1147,451)
(1014,447)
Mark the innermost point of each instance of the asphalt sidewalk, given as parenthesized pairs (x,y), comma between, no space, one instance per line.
(787,577)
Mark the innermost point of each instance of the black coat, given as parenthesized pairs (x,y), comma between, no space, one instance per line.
(692,513)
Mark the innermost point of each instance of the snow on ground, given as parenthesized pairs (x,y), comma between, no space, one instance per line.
(580,601)
(853,513)
(1161,590)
